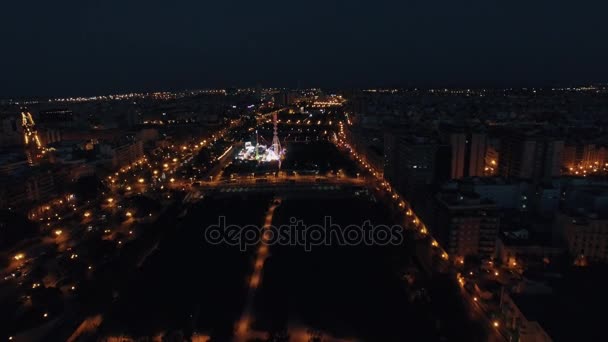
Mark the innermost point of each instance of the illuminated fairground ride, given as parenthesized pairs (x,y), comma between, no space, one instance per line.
(264,152)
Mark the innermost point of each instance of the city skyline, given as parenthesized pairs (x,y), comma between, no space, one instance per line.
(192,213)
(322,171)
(184,92)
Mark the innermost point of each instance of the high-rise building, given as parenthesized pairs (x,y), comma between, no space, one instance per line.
(133,117)
(258,92)
(492,157)
(586,235)
(28,187)
(285,98)
(584,156)
(410,161)
(123,153)
(465,223)
(49,135)
(530,157)
(467,154)
(56,117)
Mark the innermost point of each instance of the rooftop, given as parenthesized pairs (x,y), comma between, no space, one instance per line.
(455,198)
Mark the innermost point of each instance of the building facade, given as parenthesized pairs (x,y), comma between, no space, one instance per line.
(466,224)
(586,235)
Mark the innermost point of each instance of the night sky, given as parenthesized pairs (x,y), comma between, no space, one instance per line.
(108,46)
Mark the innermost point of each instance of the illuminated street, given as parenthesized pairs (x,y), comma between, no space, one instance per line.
(129,214)
(123,251)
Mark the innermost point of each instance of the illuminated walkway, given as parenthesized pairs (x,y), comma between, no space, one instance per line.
(243,330)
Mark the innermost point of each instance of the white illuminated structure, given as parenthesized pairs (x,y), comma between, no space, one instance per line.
(263,153)
(257,152)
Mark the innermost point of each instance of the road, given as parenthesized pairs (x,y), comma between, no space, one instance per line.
(495,334)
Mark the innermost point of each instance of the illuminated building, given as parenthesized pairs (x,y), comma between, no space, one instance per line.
(465,224)
(586,235)
(580,159)
(33,186)
(124,153)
